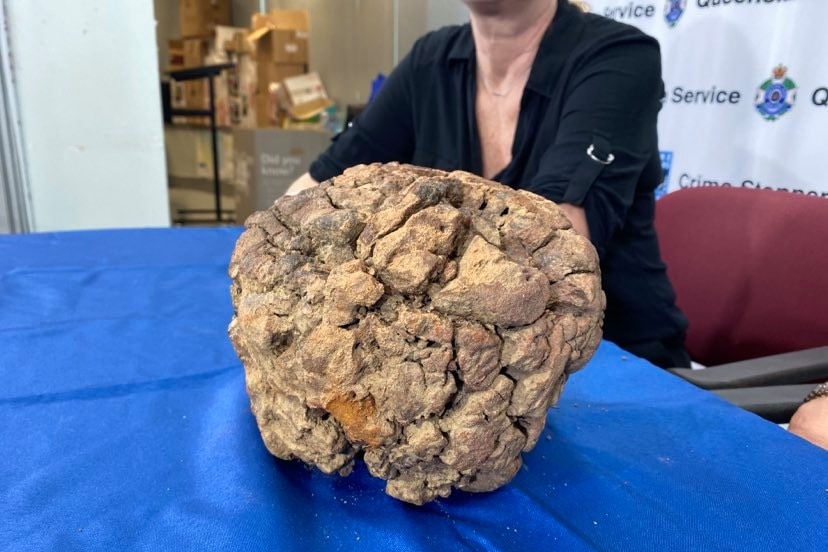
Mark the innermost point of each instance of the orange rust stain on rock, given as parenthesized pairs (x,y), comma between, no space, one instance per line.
(357,418)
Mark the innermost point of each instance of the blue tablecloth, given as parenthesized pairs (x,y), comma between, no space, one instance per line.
(124,425)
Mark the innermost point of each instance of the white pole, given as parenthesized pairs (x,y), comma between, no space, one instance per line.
(15,197)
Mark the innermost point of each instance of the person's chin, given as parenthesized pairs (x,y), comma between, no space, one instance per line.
(494,7)
(486,7)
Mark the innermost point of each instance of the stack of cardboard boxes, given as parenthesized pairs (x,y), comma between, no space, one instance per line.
(280,41)
(198,20)
(269,84)
(268,90)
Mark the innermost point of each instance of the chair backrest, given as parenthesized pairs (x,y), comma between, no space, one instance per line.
(750,269)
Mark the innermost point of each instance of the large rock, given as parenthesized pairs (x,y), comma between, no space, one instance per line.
(425,320)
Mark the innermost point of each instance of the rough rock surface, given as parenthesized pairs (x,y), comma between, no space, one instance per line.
(425,320)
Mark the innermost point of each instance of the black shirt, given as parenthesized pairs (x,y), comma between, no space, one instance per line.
(595,83)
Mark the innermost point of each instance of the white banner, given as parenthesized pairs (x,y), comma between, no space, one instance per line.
(747,90)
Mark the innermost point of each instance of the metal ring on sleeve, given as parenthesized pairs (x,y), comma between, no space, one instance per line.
(590,152)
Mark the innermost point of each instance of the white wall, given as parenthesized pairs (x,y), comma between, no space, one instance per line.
(87,82)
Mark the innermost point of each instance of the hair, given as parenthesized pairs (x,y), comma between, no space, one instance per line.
(581,5)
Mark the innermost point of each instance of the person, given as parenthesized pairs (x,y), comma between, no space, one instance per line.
(538,95)
(810,421)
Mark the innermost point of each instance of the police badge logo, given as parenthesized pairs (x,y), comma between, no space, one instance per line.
(673,10)
(777,95)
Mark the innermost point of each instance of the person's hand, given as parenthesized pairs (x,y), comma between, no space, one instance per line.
(810,421)
(302,183)
(577,216)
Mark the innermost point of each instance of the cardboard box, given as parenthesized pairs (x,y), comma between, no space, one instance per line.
(269,78)
(200,17)
(222,44)
(281,36)
(304,96)
(239,44)
(235,88)
(195,91)
(245,96)
(267,161)
(274,73)
(178,96)
(195,50)
(236,95)
(282,19)
(175,55)
(267,110)
(279,42)
(280,46)
(196,96)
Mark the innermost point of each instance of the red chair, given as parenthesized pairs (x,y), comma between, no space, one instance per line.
(750,269)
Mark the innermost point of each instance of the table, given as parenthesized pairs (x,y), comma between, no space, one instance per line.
(124,425)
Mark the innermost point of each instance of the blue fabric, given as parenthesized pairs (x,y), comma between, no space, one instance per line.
(124,425)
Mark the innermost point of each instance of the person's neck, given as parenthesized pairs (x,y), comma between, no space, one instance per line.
(507,36)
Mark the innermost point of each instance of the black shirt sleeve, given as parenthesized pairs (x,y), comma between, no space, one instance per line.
(607,134)
(383,132)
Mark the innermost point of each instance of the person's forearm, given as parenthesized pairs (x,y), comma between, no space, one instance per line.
(810,421)
(577,216)
(302,183)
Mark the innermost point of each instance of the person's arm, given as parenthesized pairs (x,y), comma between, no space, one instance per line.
(302,183)
(611,110)
(811,419)
(383,132)
(576,216)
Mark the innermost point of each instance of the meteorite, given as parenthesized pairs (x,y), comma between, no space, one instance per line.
(422,320)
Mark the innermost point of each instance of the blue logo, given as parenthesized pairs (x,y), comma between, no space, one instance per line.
(666,164)
(673,10)
(777,95)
